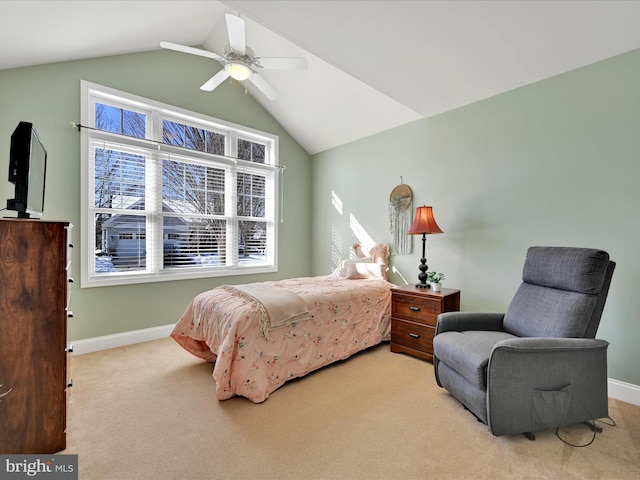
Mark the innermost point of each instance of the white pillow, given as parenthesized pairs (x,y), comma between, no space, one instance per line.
(364,270)
(341,269)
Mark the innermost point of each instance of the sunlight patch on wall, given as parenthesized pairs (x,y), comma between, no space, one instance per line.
(397,272)
(336,246)
(361,234)
(337,203)
(336,235)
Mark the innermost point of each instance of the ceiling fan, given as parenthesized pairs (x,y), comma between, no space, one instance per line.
(240,63)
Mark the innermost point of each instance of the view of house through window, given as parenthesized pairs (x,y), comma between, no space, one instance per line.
(173,195)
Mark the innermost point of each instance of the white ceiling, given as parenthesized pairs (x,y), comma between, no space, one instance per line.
(373,65)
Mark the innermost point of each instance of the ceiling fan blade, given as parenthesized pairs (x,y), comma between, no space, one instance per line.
(191,50)
(264,86)
(282,63)
(214,81)
(235,30)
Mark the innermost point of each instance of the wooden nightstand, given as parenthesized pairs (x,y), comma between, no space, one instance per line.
(414,312)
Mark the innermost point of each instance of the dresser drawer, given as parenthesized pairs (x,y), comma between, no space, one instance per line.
(417,309)
(412,335)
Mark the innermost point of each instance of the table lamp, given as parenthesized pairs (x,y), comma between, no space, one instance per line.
(424,224)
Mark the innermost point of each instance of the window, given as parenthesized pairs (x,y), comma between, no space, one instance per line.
(170,194)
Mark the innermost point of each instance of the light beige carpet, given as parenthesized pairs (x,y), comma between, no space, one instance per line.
(149,411)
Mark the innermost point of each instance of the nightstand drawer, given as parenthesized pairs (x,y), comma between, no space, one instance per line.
(409,307)
(412,335)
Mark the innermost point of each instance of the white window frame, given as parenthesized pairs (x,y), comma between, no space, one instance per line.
(155,112)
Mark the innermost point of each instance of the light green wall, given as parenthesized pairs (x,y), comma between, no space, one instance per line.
(553,163)
(49,96)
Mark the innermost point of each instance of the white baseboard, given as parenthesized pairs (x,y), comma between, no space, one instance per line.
(120,339)
(626,392)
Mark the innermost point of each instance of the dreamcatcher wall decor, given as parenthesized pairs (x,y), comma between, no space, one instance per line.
(400,208)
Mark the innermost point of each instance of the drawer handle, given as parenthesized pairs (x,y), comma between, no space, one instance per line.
(414,335)
(414,309)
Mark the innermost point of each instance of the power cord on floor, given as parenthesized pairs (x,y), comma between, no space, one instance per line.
(612,424)
(573,444)
(592,425)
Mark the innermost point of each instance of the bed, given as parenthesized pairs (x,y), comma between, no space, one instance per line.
(260,335)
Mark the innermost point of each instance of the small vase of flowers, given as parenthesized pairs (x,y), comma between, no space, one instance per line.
(435,280)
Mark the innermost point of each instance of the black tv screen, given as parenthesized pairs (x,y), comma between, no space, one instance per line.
(27,171)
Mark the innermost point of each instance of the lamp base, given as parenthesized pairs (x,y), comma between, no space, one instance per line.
(422,276)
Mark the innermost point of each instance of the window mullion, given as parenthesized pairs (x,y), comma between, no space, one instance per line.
(231,212)
(154,214)
(153,207)
(233,145)
(231,204)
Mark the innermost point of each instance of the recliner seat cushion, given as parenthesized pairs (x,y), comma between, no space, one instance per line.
(468,353)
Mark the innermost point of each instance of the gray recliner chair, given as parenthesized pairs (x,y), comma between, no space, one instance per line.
(538,365)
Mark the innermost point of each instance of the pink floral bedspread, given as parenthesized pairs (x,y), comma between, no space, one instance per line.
(345,317)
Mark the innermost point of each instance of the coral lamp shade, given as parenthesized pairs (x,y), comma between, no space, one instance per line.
(424,222)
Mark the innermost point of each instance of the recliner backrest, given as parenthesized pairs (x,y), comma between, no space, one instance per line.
(562,293)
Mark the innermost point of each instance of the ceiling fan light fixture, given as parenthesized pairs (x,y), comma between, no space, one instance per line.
(238,71)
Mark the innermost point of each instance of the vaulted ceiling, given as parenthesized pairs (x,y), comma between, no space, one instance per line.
(373,65)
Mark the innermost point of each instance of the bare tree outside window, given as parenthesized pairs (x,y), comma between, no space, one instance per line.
(251,190)
(120,120)
(174,133)
(251,151)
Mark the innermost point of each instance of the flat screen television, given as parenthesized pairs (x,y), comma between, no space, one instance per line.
(27,171)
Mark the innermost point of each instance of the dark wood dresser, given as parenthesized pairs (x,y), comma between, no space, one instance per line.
(35,263)
(414,312)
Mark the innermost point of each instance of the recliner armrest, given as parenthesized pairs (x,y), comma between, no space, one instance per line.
(461,321)
(535,383)
(542,344)
(529,353)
